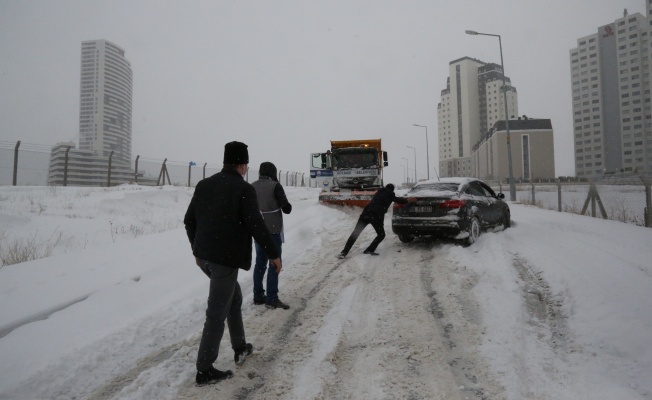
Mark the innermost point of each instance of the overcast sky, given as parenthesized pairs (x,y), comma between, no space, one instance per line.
(284,76)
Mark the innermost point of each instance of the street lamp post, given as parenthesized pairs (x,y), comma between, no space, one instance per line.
(408,168)
(415,163)
(427,151)
(512,188)
(404,172)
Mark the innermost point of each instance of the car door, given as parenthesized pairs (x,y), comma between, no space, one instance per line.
(494,212)
(483,203)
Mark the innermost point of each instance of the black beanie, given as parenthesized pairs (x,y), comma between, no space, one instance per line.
(269,170)
(236,153)
(390,187)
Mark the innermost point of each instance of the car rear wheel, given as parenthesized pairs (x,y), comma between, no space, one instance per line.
(405,238)
(507,219)
(473,231)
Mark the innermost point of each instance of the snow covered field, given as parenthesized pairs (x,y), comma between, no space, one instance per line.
(556,307)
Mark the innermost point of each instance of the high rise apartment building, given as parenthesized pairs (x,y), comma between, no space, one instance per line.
(470,106)
(105,101)
(104,154)
(612,112)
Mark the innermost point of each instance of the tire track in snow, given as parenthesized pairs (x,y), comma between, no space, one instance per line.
(459,320)
(391,328)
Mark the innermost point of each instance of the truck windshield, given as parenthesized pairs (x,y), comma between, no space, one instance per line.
(355,158)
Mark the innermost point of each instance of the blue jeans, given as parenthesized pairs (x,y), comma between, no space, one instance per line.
(272,276)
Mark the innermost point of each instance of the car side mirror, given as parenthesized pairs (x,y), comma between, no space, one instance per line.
(500,196)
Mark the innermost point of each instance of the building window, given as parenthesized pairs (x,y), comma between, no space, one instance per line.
(525,140)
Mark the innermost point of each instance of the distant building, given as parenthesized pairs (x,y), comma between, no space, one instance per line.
(105,100)
(470,106)
(612,112)
(533,151)
(73,167)
(104,119)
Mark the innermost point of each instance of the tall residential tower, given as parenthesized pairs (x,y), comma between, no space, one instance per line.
(104,154)
(470,106)
(610,74)
(105,101)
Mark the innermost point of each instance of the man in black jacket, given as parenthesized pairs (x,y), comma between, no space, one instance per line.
(374,214)
(222,217)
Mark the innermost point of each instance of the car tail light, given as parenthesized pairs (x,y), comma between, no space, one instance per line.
(452,204)
(398,206)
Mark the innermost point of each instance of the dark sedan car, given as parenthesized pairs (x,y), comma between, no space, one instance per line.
(458,208)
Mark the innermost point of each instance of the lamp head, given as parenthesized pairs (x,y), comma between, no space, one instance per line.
(471,32)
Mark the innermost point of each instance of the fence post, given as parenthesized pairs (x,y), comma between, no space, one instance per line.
(136,169)
(16,162)
(204,172)
(559,195)
(163,174)
(108,179)
(534,201)
(647,217)
(65,168)
(286,177)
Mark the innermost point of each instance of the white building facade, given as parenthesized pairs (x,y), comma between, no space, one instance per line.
(612,112)
(470,106)
(104,153)
(105,101)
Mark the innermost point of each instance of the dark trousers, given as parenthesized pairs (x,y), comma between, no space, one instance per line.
(363,221)
(272,276)
(224,303)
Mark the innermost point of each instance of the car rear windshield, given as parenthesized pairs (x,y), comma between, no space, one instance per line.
(435,187)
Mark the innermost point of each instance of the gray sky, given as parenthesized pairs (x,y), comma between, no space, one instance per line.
(285,76)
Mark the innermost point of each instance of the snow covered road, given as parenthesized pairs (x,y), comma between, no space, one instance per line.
(556,307)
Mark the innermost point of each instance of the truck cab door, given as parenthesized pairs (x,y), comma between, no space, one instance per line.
(321,170)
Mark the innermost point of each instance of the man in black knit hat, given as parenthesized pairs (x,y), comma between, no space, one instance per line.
(222,217)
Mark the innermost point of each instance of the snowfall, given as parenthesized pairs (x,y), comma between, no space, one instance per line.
(559,306)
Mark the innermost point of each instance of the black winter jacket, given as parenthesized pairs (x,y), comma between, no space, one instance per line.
(380,202)
(222,217)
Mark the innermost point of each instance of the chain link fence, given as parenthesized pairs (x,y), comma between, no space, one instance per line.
(27,164)
(625,199)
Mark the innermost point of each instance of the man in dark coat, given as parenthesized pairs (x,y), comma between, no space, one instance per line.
(222,217)
(374,214)
(273,204)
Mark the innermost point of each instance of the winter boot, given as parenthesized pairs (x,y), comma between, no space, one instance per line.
(277,304)
(212,376)
(240,356)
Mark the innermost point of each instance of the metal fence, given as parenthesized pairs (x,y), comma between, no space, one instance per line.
(624,200)
(28,164)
